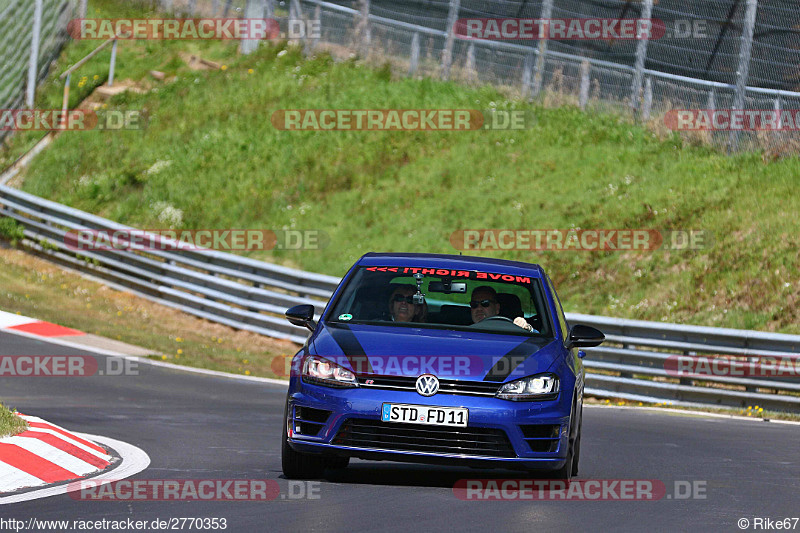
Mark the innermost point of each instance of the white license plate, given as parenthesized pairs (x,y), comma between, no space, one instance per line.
(424,414)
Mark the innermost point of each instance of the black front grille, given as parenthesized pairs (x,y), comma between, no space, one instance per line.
(541,437)
(309,421)
(446,386)
(362,433)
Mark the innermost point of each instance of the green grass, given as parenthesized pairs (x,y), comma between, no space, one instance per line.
(10,423)
(223,165)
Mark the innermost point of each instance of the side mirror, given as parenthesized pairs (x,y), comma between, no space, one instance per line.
(302,315)
(581,336)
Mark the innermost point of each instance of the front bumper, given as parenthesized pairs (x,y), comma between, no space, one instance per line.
(535,434)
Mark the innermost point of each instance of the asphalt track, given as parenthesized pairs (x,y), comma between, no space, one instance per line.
(206,427)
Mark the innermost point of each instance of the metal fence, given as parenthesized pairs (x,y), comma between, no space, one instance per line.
(253,295)
(712,54)
(32,33)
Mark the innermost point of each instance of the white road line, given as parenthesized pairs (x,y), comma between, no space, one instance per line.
(134,460)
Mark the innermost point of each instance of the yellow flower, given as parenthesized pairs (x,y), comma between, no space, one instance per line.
(180,351)
(163,357)
(250,71)
(224,67)
(178,339)
(245,361)
(219,341)
(63,285)
(247,372)
(96,77)
(119,313)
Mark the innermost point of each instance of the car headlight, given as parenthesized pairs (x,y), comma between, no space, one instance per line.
(538,387)
(323,372)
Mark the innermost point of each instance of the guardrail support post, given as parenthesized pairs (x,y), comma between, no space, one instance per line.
(641,55)
(743,71)
(113,66)
(414,63)
(586,69)
(544,33)
(33,63)
(83,9)
(712,100)
(447,53)
(166,5)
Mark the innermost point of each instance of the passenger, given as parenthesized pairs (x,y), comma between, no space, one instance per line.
(402,307)
(484,304)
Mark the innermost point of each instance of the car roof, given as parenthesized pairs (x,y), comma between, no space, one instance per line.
(461,262)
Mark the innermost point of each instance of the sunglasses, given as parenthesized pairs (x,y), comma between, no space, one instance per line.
(483,303)
(401,298)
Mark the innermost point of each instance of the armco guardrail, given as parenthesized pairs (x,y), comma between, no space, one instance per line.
(634,363)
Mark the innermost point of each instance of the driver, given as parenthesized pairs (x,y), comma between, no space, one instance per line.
(484,304)
(402,306)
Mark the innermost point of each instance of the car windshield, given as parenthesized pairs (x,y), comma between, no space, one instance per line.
(467,300)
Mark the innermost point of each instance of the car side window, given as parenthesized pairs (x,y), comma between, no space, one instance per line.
(562,320)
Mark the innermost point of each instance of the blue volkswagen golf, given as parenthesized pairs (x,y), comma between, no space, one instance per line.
(437,359)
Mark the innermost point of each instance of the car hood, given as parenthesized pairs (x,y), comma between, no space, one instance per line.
(449,354)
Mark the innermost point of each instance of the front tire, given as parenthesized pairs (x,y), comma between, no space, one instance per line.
(570,467)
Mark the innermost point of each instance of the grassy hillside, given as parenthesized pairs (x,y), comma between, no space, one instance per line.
(211,158)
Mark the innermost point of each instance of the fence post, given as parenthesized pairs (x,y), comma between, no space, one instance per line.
(586,69)
(364,30)
(113,65)
(647,105)
(313,40)
(544,32)
(744,65)
(83,9)
(447,53)
(470,68)
(641,55)
(712,100)
(414,63)
(33,63)
(253,10)
(296,17)
(527,75)
(167,5)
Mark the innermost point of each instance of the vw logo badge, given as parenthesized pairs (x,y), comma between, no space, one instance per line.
(427,385)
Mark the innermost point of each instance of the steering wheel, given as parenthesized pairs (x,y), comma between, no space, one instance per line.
(497,317)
